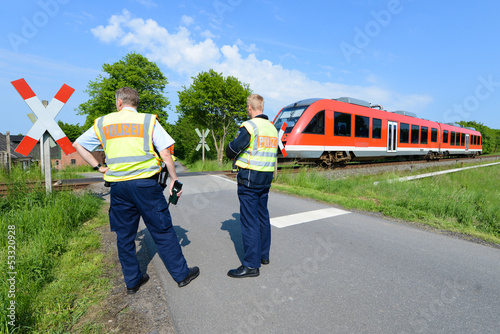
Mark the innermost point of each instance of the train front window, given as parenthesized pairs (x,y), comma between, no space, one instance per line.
(290,116)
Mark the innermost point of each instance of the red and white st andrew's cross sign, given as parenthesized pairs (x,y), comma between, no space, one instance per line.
(45,121)
(281,132)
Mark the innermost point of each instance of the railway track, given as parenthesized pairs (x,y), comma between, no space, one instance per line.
(75,184)
(410,164)
(57,185)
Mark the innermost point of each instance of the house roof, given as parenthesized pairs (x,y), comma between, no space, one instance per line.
(3,147)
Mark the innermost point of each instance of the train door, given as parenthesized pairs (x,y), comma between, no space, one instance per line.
(392,136)
(466,142)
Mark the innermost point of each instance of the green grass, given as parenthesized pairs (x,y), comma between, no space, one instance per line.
(209,166)
(71,172)
(467,201)
(57,258)
(19,174)
(35,174)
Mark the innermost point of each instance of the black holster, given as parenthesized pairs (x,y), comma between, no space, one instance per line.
(163,176)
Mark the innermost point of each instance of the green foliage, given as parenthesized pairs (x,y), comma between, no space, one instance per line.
(44,227)
(491,137)
(214,102)
(209,166)
(134,71)
(72,131)
(19,174)
(186,141)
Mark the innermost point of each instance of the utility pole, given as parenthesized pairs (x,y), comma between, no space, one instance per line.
(9,158)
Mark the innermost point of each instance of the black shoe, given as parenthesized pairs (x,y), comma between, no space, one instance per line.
(193,273)
(144,279)
(243,271)
(264,261)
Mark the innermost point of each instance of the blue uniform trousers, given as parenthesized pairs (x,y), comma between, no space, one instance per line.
(255,224)
(129,201)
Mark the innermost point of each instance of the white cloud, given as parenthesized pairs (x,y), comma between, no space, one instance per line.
(248,48)
(113,30)
(187,20)
(181,53)
(208,34)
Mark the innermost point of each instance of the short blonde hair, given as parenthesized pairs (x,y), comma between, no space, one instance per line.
(256,102)
(128,95)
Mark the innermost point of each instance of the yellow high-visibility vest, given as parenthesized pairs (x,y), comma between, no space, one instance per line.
(261,154)
(127,139)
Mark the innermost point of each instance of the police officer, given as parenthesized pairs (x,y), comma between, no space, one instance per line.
(254,150)
(129,140)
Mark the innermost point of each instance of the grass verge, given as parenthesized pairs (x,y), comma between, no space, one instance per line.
(55,267)
(208,166)
(466,202)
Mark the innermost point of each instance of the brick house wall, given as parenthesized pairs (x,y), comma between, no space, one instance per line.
(74,159)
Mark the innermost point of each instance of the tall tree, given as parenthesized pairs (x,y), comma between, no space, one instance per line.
(134,71)
(72,131)
(186,141)
(216,103)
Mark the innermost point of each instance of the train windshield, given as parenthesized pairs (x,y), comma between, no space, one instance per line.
(290,116)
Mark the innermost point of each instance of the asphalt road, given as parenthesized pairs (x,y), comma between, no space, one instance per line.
(331,271)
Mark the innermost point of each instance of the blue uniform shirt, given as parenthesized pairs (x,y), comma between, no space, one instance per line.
(247,177)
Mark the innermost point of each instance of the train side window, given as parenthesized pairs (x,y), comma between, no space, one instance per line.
(404,133)
(445,136)
(463,140)
(377,128)
(342,124)
(434,135)
(361,126)
(317,124)
(452,138)
(414,134)
(424,135)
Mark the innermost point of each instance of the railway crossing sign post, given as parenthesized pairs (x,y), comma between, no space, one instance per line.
(202,142)
(281,132)
(45,125)
(33,119)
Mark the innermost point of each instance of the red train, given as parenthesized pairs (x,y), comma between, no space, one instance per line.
(328,132)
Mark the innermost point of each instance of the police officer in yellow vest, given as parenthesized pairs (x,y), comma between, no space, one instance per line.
(254,148)
(129,140)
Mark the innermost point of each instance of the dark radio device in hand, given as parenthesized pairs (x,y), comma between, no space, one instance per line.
(175,190)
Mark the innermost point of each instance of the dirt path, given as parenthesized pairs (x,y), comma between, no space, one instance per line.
(144,312)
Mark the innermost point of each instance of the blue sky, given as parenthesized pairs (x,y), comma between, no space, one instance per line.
(437,59)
